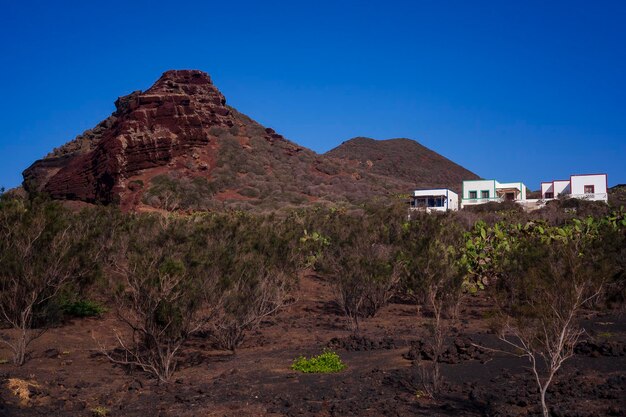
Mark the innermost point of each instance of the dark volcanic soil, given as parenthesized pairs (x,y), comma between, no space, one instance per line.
(69,378)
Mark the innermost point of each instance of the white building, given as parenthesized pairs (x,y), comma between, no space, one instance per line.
(484,191)
(438,199)
(587,186)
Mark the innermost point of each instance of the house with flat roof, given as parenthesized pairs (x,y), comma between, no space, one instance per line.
(484,191)
(436,199)
(584,186)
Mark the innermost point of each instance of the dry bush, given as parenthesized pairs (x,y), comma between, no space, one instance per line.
(364,276)
(249,299)
(255,262)
(360,260)
(433,276)
(543,289)
(37,243)
(174,192)
(158,295)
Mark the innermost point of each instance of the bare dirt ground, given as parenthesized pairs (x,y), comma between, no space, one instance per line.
(66,375)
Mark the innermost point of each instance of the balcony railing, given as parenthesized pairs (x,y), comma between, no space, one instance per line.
(585,196)
(468,201)
(428,208)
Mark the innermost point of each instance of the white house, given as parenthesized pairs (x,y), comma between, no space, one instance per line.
(484,191)
(438,199)
(586,186)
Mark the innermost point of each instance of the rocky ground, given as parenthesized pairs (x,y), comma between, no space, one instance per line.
(67,376)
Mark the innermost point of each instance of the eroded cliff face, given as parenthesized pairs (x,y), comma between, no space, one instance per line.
(148,129)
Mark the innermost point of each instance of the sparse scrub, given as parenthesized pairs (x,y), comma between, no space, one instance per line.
(433,277)
(361,264)
(37,243)
(158,296)
(253,262)
(547,278)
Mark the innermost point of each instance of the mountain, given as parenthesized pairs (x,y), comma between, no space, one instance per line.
(404,159)
(179,146)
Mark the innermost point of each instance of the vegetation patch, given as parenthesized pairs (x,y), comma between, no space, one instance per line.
(326,363)
(83,308)
(174,192)
(100,411)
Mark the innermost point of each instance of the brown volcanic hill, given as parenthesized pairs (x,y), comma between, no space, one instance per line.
(403,159)
(179,146)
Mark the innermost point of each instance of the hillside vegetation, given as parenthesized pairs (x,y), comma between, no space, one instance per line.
(220,276)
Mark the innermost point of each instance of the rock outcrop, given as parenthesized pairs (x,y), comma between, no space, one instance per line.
(148,129)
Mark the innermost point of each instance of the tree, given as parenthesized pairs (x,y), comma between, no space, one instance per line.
(249,299)
(158,293)
(364,275)
(359,258)
(433,276)
(545,282)
(253,262)
(37,259)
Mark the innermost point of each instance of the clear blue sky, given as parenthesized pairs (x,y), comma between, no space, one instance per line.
(512,90)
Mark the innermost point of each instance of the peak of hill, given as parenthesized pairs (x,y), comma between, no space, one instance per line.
(179,146)
(404,159)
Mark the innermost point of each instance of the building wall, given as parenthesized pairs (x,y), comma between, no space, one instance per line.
(547,187)
(478,186)
(578,183)
(430,192)
(561,187)
(453,201)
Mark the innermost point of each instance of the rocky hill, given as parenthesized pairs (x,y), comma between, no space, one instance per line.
(404,159)
(179,146)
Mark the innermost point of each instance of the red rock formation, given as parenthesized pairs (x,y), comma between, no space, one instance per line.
(149,130)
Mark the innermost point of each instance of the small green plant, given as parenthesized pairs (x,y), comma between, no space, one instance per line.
(82,308)
(3,361)
(100,411)
(606,335)
(325,363)
(421,394)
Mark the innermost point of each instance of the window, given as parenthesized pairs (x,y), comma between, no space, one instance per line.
(473,194)
(548,195)
(589,189)
(484,194)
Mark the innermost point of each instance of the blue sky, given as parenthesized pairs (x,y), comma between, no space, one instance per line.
(525,90)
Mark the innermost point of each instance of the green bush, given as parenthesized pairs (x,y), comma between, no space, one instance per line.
(82,308)
(325,363)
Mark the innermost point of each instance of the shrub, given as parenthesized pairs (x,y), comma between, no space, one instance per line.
(327,362)
(495,207)
(546,281)
(158,295)
(82,308)
(173,192)
(100,411)
(38,258)
(433,276)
